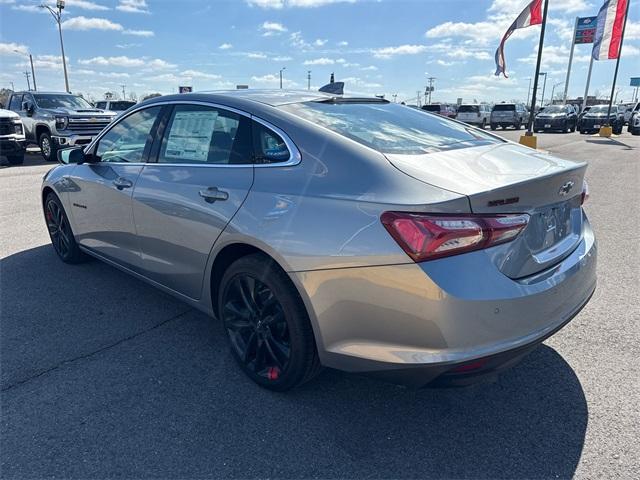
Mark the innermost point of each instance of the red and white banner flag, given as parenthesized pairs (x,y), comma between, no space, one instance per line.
(531,15)
(608,38)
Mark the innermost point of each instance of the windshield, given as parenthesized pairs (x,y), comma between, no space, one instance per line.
(468,109)
(601,109)
(504,107)
(391,128)
(555,109)
(53,100)
(431,108)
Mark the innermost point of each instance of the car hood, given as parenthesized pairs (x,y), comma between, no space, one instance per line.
(551,115)
(96,112)
(8,114)
(486,173)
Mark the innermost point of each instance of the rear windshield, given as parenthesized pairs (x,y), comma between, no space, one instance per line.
(468,109)
(120,106)
(555,109)
(391,128)
(504,107)
(431,108)
(601,109)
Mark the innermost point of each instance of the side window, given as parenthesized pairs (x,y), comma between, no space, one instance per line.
(101,105)
(126,141)
(201,134)
(16,103)
(269,147)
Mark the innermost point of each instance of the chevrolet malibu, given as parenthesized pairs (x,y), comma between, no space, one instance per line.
(324,230)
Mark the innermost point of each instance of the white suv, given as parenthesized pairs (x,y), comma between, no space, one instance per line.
(474,114)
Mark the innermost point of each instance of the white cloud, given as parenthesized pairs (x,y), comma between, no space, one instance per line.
(553,55)
(128,45)
(459,52)
(133,6)
(199,74)
(13,49)
(320,42)
(343,44)
(359,83)
(84,23)
(270,29)
(444,63)
(225,46)
(83,4)
(256,55)
(139,33)
(29,8)
(632,30)
(388,52)
(282,58)
(320,61)
(272,80)
(124,61)
(279,4)
(629,50)
(369,68)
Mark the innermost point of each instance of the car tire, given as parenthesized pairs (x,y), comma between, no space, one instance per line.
(15,159)
(573,128)
(60,233)
(267,325)
(47,148)
(484,124)
(494,126)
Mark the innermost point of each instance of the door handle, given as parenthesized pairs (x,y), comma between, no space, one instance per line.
(212,194)
(121,183)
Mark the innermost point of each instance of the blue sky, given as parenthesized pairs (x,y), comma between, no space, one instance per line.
(377,47)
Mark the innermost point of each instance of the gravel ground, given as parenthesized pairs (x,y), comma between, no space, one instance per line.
(103,376)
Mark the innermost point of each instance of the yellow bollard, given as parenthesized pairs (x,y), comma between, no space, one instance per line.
(530,141)
(606,131)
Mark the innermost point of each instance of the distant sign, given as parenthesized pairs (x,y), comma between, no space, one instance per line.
(242,87)
(185,89)
(586,29)
(635,82)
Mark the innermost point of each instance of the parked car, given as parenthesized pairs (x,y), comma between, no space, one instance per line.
(53,120)
(634,121)
(509,115)
(556,117)
(474,114)
(12,143)
(440,109)
(117,106)
(450,255)
(628,109)
(596,117)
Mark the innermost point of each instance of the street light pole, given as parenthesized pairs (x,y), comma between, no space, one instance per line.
(281,70)
(308,79)
(57,16)
(33,74)
(553,90)
(544,86)
(27,74)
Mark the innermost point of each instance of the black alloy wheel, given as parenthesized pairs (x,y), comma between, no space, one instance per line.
(60,231)
(257,328)
(267,324)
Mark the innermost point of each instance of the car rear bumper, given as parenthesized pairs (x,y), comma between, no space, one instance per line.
(415,323)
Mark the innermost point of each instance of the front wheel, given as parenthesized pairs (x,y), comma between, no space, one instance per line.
(494,126)
(60,231)
(47,148)
(484,123)
(267,324)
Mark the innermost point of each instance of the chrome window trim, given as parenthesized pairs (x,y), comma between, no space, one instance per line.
(295,156)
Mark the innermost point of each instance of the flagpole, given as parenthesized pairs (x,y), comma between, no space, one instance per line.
(615,73)
(573,45)
(586,88)
(532,113)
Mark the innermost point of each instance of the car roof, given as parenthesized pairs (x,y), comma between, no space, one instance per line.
(44,92)
(273,98)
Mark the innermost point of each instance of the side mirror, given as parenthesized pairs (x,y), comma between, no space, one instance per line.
(28,107)
(74,155)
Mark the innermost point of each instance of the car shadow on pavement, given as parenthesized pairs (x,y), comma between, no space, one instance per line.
(105,376)
(609,141)
(31,159)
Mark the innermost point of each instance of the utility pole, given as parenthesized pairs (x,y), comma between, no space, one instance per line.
(430,87)
(13,87)
(57,16)
(529,91)
(124,95)
(418,97)
(27,74)
(544,86)
(308,79)
(33,72)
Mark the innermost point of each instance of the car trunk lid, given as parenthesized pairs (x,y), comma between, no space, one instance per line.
(508,178)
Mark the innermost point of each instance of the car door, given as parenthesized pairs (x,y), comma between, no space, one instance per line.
(28,120)
(101,190)
(182,202)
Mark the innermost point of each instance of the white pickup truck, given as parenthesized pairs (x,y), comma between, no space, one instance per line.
(12,141)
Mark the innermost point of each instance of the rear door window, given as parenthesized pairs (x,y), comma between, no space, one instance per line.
(269,147)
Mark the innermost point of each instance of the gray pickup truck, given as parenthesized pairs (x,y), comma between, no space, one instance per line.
(54,120)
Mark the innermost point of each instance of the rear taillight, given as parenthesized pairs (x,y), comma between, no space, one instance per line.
(427,237)
(585,192)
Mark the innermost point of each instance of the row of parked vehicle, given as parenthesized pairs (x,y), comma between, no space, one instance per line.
(52,120)
(561,118)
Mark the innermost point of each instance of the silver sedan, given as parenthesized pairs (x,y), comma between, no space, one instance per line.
(324,230)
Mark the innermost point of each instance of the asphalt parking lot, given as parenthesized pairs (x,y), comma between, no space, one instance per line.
(103,376)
